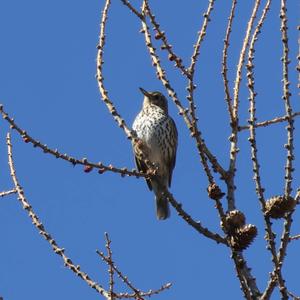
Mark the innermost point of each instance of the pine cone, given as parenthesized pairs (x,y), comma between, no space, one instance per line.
(235,219)
(278,206)
(214,192)
(243,237)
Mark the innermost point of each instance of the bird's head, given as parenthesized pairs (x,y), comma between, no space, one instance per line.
(155,98)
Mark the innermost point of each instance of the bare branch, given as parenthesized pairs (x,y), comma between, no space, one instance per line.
(6,193)
(294,297)
(224,61)
(195,224)
(191,85)
(145,294)
(100,79)
(234,135)
(270,236)
(201,35)
(74,161)
(269,122)
(41,229)
(127,3)
(113,268)
(160,35)
(110,266)
(285,237)
(248,282)
(286,97)
(295,237)
(242,60)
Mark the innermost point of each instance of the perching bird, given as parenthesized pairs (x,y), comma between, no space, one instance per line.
(158,133)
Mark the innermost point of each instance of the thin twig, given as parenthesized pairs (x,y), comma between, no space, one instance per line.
(284,240)
(270,122)
(224,62)
(270,236)
(127,3)
(201,35)
(146,294)
(41,229)
(74,161)
(100,79)
(242,60)
(294,237)
(6,193)
(286,97)
(234,134)
(160,35)
(138,294)
(294,297)
(110,266)
(248,282)
(196,225)
(194,58)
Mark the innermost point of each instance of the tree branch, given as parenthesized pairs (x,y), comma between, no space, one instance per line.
(194,58)
(74,161)
(6,193)
(285,237)
(137,294)
(160,35)
(41,229)
(269,122)
(270,236)
(100,79)
(195,224)
(224,62)
(234,134)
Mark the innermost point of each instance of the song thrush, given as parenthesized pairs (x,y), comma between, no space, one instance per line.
(157,131)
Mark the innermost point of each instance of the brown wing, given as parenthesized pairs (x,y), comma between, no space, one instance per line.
(141,166)
(171,154)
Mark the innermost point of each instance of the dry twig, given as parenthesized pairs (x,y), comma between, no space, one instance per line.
(160,35)
(234,134)
(196,225)
(224,62)
(285,237)
(74,161)
(41,229)
(194,58)
(6,193)
(270,236)
(269,122)
(137,294)
(100,79)
(110,263)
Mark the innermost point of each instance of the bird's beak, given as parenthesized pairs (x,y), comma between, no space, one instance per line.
(144,92)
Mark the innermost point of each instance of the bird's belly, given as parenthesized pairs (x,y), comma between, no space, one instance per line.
(150,135)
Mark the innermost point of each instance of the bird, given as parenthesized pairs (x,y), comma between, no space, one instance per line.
(158,135)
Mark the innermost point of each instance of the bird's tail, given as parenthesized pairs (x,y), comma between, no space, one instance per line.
(162,203)
(162,208)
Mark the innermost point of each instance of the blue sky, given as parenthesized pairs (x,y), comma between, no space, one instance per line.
(47,75)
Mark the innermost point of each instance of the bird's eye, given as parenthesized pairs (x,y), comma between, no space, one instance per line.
(156,97)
